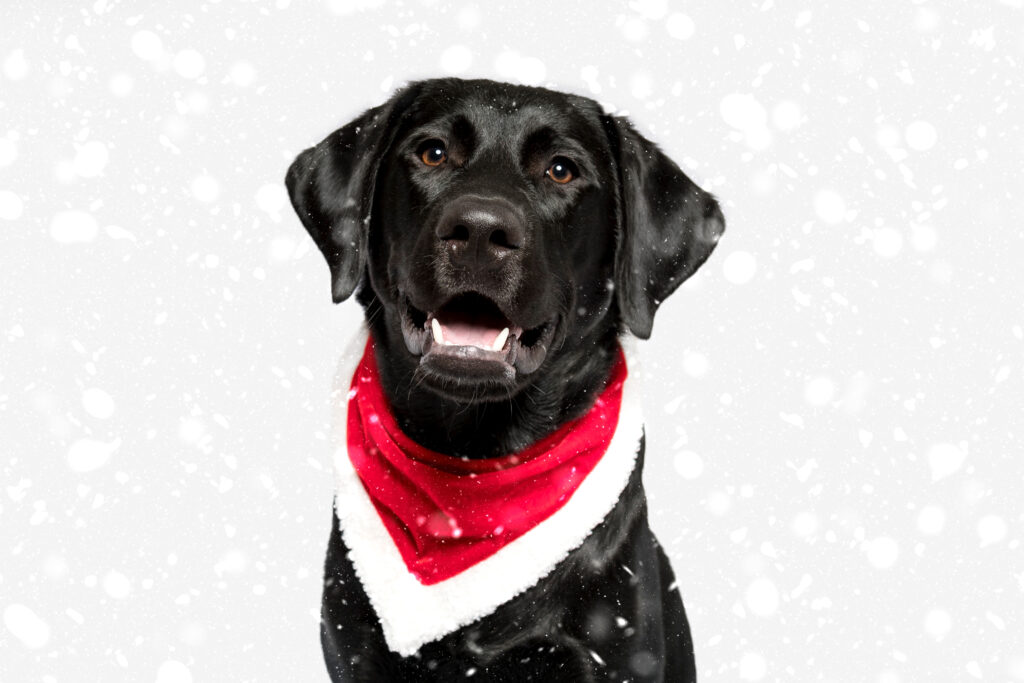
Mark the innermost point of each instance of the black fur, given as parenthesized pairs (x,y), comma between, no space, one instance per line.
(572,265)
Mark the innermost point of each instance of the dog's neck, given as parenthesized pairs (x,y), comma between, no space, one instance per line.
(491,429)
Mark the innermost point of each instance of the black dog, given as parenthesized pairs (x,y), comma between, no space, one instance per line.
(545,227)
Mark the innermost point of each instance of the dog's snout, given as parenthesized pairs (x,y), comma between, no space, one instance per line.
(480,232)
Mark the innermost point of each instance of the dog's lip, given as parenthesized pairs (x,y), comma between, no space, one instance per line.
(451,335)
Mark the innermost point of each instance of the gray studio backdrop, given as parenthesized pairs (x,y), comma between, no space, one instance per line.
(833,403)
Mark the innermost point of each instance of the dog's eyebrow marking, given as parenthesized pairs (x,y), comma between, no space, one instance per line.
(465,133)
(539,141)
(545,142)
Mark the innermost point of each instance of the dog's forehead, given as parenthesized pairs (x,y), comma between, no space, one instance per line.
(506,112)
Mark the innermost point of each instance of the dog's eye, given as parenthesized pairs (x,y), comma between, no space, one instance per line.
(561,170)
(433,153)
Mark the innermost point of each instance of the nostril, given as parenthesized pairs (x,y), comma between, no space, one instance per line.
(457,233)
(500,238)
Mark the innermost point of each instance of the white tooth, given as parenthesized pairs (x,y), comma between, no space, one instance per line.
(436,328)
(499,341)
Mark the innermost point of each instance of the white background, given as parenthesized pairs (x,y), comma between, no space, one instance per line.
(834,402)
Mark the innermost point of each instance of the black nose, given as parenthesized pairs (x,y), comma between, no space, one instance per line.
(480,232)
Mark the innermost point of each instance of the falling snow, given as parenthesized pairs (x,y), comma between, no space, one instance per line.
(833,401)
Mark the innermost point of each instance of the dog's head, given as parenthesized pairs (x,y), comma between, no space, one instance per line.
(490,226)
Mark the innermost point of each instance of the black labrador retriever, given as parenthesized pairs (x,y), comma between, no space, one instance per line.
(501,238)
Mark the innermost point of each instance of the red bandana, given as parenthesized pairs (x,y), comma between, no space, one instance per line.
(446,514)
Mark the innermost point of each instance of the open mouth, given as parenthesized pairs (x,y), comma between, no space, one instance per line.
(470,338)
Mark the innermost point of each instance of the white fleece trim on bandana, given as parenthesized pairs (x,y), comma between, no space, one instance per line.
(411,613)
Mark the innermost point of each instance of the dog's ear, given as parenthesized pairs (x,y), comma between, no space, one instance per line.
(331,188)
(668,226)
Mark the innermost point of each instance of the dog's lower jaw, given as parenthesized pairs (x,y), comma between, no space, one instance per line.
(510,421)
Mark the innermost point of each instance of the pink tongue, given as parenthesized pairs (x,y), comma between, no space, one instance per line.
(468,334)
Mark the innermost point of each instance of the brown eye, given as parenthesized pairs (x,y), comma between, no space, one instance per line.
(561,170)
(433,153)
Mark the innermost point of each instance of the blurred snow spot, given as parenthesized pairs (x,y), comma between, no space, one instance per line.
(829,206)
(343,7)
(945,459)
(194,102)
(793,419)
(641,86)
(643,664)
(920,136)
(16,66)
(193,634)
(231,562)
(121,85)
(974,669)
(272,199)
(173,671)
(744,113)
(205,188)
(888,242)
(695,364)
(819,391)
(802,266)
(739,267)
(26,626)
(98,403)
(456,59)
(90,159)
(191,430)
(991,529)
(937,624)
(654,10)
(804,472)
(55,567)
(718,503)
(512,66)
(118,233)
(70,227)
(8,152)
(888,138)
(588,75)
(787,116)
(926,19)
(634,30)
(17,493)
(281,249)
(39,513)
(984,38)
(242,74)
(739,41)
(680,26)
(86,454)
(752,667)
(10,205)
(117,585)
(468,18)
(923,237)
(995,620)
(189,64)
(147,45)
(805,523)
(940,272)
(688,464)
(882,552)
